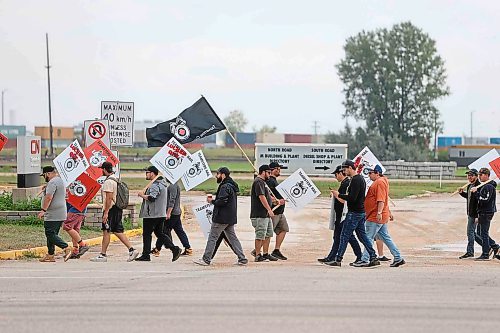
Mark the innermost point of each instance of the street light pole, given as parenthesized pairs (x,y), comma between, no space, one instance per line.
(50,110)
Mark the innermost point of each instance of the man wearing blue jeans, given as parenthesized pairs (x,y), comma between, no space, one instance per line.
(378,215)
(355,219)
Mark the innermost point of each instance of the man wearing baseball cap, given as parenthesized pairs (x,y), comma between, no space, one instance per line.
(280,223)
(486,208)
(154,212)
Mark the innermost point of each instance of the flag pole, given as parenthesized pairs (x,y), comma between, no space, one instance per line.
(237,144)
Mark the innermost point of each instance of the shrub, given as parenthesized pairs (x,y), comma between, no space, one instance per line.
(25,205)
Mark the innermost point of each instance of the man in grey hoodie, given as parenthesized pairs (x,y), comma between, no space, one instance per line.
(153,212)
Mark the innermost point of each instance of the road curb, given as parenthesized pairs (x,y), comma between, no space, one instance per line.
(42,250)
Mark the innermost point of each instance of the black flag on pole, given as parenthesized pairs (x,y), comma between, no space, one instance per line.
(196,122)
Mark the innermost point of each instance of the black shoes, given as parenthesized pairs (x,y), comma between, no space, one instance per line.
(357,262)
(323,260)
(143,258)
(384,258)
(482,257)
(372,264)
(269,257)
(398,263)
(260,258)
(334,263)
(176,253)
(465,256)
(277,254)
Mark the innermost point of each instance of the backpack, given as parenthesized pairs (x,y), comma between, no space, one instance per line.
(122,194)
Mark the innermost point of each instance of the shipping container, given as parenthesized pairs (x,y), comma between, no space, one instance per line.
(63,133)
(466,154)
(447,141)
(242,138)
(271,137)
(207,139)
(494,141)
(12,132)
(298,138)
(193,146)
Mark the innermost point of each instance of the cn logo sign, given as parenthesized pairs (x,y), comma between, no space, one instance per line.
(35,147)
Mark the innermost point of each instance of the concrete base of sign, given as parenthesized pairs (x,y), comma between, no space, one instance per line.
(28,180)
(23,194)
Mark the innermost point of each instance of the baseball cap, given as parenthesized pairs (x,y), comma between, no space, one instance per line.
(377,169)
(274,165)
(484,171)
(337,170)
(152,169)
(263,168)
(224,170)
(348,163)
(47,168)
(107,166)
(473,172)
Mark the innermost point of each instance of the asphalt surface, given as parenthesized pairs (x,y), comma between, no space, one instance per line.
(433,292)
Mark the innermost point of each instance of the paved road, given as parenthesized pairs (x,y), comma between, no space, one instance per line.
(434,292)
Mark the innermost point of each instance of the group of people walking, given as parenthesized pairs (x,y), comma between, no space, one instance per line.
(359,215)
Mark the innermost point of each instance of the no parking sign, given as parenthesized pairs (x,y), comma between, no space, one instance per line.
(96,130)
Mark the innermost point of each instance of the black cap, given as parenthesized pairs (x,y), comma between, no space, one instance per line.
(47,168)
(224,170)
(484,171)
(274,165)
(348,163)
(473,172)
(107,166)
(152,169)
(337,170)
(263,168)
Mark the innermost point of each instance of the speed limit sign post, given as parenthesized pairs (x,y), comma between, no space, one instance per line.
(121,122)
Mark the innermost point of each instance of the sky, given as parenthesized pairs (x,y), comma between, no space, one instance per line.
(273,60)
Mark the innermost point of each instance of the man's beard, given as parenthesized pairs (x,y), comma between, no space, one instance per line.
(219,180)
(46,179)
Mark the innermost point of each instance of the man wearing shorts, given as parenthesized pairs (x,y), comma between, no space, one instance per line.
(261,214)
(72,226)
(112,216)
(280,224)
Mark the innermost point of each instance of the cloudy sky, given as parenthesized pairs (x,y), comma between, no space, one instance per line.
(274,60)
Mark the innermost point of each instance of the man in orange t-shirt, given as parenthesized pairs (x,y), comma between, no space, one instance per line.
(378,214)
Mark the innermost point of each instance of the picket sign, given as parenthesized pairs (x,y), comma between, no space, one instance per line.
(203,215)
(298,189)
(71,163)
(198,172)
(172,160)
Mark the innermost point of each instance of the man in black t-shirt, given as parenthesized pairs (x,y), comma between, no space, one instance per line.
(261,214)
(280,224)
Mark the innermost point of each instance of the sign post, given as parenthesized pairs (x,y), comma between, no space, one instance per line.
(121,122)
(313,159)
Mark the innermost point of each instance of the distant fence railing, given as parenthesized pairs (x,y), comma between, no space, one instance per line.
(420,170)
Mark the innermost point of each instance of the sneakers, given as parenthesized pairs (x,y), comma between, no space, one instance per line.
(356,262)
(132,255)
(74,255)
(277,254)
(465,256)
(482,257)
(334,263)
(242,262)
(100,258)
(201,262)
(187,252)
(372,264)
(67,253)
(398,263)
(493,252)
(155,252)
(323,260)
(143,258)
(47,258)
(176,253)
(269,257)
(253,253)
(260,258)
(383,258)
(82,249)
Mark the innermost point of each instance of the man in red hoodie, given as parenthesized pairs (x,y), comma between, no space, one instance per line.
(378,214)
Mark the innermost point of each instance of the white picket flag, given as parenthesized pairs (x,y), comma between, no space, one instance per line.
(71,163)
(203,215)
(197,173)
(173,160)
(298,189)
(484,162)
(366,159)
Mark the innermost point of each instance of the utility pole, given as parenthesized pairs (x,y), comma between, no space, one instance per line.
(3,93)
(50,110)
(315,127)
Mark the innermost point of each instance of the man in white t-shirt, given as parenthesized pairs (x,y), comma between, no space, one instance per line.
(112,216)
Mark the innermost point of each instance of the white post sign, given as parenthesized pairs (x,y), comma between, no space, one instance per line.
(366,159)
(96,130)
(203,215)
(298,189)
(121,122)
(173,160)
(71,163)
(197,173)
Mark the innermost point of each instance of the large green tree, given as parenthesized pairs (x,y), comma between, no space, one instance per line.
(391,80)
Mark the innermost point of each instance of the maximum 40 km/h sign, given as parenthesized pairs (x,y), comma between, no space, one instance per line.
(121,122)
(314,159)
